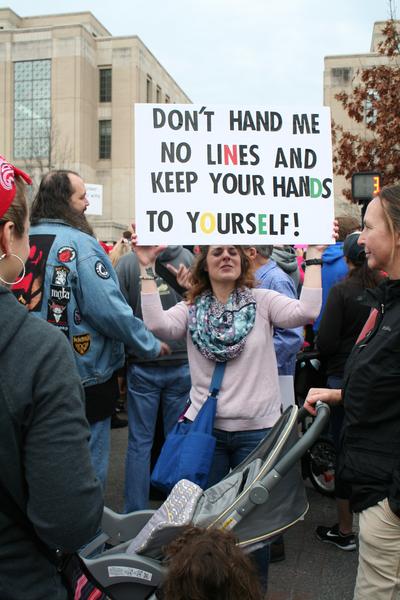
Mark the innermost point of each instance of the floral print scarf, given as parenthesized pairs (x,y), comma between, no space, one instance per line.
(218,330)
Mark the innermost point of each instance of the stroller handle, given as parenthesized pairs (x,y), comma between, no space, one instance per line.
(308,438)
(302,413)
(261,490)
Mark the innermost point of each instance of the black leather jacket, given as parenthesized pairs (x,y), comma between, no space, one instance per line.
(370,458)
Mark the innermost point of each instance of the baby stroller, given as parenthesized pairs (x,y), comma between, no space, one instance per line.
(258,500)
(319,462)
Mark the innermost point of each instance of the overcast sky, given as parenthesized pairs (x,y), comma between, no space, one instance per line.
(237,51)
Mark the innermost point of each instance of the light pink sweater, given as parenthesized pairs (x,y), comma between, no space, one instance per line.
(249,397)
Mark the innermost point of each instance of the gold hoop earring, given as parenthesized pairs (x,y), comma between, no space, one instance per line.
(23,269)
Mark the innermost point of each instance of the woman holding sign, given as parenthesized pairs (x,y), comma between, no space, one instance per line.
(226,319)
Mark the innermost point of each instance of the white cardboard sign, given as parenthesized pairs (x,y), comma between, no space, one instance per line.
(223,174)
(94,193)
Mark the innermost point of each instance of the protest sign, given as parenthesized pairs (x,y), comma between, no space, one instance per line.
(221,174)
(94,194)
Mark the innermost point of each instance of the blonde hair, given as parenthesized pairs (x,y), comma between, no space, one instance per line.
(119,250)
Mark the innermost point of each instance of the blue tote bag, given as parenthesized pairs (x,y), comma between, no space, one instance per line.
(188,450)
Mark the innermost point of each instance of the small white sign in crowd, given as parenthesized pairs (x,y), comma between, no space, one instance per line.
(94,194)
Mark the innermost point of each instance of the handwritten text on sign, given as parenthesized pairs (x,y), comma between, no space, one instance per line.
(232,175)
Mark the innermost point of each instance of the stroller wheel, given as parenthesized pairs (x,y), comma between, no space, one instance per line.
(321,466)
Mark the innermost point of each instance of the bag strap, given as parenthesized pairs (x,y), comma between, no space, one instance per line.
(216,379)
(213,390)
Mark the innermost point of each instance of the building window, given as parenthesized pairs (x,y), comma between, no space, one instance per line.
(105,85)
(167,99)
(32,109)
(158,94)
(149,89)
(341,76)
(104,139)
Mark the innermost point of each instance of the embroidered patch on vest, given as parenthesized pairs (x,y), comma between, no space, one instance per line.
(60,293)
(57,314)
(60,275)
(66,254)
(81,343)
(101,270)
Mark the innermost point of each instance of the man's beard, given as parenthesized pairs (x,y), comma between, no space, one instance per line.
(80,222)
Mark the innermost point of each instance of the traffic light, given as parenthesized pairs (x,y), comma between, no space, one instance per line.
(364,186)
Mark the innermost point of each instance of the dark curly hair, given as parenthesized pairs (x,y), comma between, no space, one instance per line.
(201,280)
(205,564)
(53,201)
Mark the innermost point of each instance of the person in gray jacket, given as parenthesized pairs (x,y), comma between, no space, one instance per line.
(45,467)
(165,380)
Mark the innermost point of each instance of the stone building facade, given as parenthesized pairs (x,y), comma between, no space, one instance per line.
(66,101)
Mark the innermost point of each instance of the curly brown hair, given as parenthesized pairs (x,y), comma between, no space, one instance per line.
(201,281)
(53,201)
(207,563)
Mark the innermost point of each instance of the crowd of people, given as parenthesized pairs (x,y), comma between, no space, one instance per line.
(75,322)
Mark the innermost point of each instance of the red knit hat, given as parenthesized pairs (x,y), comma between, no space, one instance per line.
(7,184)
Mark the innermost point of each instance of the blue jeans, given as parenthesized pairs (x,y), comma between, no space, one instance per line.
(99,446)
(231,449)
(147,387)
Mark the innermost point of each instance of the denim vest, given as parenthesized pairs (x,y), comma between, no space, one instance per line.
(70,282)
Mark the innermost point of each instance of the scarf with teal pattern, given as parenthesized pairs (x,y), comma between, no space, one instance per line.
(218,330)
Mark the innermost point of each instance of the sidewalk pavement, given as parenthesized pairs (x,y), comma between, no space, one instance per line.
(312,570)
